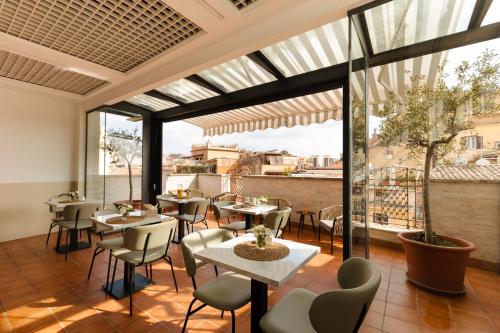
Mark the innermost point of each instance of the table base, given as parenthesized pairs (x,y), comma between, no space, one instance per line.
(120,289)
(258,304)
(72,247)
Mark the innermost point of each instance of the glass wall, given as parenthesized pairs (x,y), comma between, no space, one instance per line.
(359,154)
(114,157)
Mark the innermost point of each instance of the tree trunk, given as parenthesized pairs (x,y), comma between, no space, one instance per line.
(429,153)
(131,187)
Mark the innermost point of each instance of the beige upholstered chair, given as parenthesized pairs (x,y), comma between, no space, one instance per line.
(168,208)
(276,221)
(195,212)
(195,193)
(144,245)
(330,219)
(77,218)
(225,196)
(342,310)
(228,291)
(219,213)
(112,244)
(282,204)
(57,215)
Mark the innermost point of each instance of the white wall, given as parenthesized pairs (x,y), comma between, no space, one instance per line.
(40,157)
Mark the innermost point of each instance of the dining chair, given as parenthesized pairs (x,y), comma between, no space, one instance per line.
(219,213)
(112,244)
(57,216)
(195,193)
(226,292)
(145,245)
(339,310)
(195,212)
(163,205)
(276,221)
(281,204)
(77,219)
(225,196)
(330,219)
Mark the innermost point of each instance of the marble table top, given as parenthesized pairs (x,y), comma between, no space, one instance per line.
(274,273)
(177,200)
(255,210)
(61,205)
(148,219)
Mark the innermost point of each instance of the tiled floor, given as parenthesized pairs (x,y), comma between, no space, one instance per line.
(40,292)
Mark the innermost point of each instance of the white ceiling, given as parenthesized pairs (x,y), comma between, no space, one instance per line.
(217,31)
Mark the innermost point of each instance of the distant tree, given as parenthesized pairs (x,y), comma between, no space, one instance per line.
(427,118)
(123,146)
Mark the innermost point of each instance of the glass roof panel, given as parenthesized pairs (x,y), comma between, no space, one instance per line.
(237,74)
(318,48)
(492,14)
(150,103)
(401,22)
(186,91)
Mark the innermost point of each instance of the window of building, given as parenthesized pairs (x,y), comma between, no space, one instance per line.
(474,142)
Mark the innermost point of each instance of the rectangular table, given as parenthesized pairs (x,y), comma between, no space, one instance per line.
(120,287)
(59,205)
(262,273)
(250,212)
(180,204)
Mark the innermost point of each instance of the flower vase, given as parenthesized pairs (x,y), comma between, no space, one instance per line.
(260,241)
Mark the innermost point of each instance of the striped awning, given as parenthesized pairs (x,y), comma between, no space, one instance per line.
(304,110)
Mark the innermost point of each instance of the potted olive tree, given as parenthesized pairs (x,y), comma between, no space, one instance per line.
(124,146)
(427,119)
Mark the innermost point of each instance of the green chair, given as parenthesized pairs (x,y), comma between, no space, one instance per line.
(76,218)
(145,245)
(276,221)
(281,204)
(58,215)
(195,212)
(112,244)
(228,291)
(330,219)
(219,213)
(342,310)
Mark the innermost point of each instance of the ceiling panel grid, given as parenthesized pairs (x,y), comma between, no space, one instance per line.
(242,4)
(24,69)
(116,34)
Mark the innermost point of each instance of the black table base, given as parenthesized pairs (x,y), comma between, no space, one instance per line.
(120,287)
(249,219)
(72,247)
(180,226)
(258,304)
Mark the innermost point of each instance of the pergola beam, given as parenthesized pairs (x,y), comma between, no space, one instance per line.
(261,60)
(156,94)
(480,9)
(363,33)
(195,78)
(128,108)
(459,39)
(295,86)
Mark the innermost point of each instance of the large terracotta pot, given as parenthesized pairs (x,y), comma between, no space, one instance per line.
(439,269)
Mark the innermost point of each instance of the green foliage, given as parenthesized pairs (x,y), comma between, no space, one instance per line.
(199,168)
(427,115)
(427,118)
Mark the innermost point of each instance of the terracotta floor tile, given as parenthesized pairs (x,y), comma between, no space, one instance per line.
(401,313)
(43,291)
(393,325)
